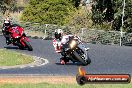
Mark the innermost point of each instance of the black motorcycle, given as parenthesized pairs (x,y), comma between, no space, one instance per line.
(73,51)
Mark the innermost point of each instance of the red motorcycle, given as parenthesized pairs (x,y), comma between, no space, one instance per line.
(18,38)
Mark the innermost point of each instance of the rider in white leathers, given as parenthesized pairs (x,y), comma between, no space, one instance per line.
(60,39)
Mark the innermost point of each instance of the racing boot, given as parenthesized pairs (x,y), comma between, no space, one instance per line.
(8,41)
(62,61)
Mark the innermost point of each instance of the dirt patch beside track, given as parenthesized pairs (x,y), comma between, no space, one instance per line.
(38,79)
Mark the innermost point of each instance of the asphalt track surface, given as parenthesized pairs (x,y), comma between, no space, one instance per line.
(105,59)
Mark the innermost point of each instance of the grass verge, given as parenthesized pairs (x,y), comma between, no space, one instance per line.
(47,85)
(12,58)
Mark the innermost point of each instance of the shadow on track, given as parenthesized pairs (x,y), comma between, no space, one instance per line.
(78,64)
(14,47)
(11,47)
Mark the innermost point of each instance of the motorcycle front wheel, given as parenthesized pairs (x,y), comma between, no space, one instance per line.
(80,59)
(28,45)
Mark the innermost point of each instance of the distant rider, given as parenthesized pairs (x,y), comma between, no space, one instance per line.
(5,30)
(7,27)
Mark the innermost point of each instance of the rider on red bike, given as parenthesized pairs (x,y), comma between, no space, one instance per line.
(7,28)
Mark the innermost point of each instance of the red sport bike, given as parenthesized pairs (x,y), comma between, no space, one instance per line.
(19,38)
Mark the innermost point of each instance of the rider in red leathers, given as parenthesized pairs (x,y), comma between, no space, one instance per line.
(7,29)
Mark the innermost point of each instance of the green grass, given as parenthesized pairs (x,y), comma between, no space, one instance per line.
(46,85)
(11,58)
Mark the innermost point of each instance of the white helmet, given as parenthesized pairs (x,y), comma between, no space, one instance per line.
(7,22)
(58,33)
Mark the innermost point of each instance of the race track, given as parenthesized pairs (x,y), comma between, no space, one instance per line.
(105,59)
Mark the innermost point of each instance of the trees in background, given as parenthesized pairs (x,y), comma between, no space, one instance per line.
(7,5)
(110,11)
(60,12)
(49,11)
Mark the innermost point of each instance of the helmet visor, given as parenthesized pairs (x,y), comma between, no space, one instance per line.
(57,36)
(7,24)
